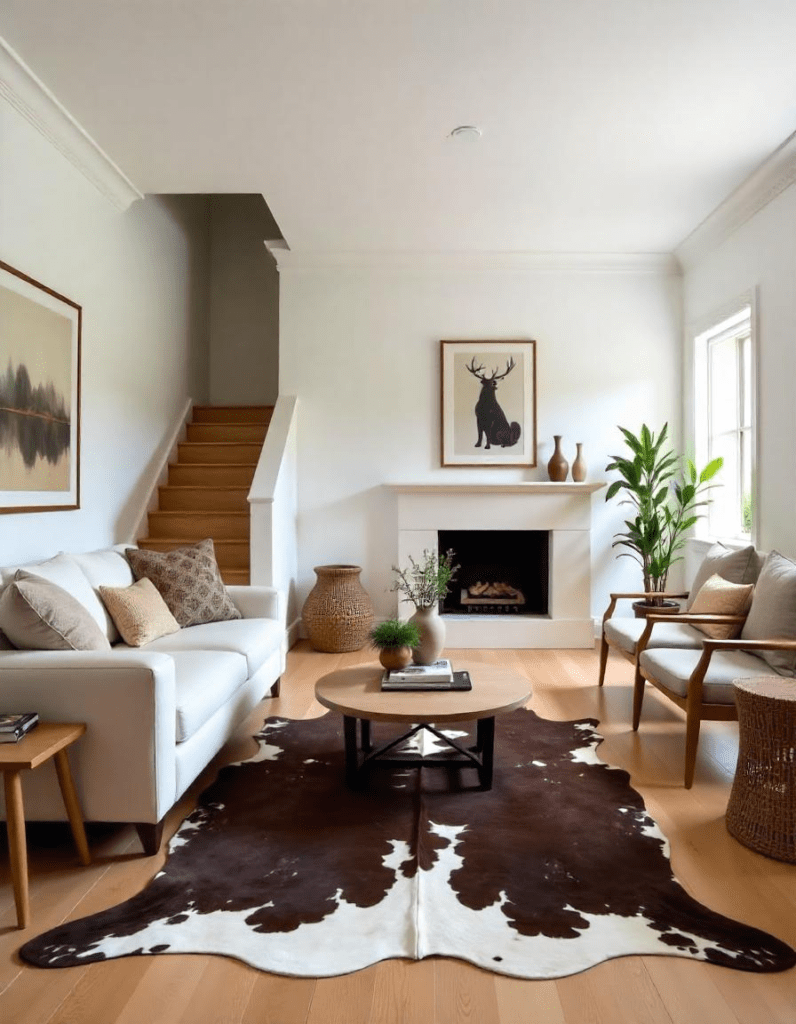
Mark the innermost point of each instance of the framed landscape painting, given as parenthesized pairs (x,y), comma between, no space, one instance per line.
(39,396)
(488,403)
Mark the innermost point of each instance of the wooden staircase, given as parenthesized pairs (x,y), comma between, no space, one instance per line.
(207,492)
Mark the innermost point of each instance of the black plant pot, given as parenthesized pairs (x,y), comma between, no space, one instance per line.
(645,608)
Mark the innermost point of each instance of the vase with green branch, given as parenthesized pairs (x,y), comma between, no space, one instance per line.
(667,495)
(425,583)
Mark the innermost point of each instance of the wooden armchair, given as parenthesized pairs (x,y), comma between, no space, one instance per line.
(700,681)
(625,640)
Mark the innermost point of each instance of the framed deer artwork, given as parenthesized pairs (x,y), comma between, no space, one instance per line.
(488,403)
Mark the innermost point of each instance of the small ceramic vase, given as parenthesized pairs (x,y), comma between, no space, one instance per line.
(579,467)
(432,635)
(557,467)
(395,657)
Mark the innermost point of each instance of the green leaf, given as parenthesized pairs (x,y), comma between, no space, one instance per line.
(615,487)
(711,470)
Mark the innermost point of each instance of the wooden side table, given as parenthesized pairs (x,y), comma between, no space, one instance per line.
(761,812)
(46,740)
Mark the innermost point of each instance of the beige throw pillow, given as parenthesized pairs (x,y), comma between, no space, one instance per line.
(189,582)
(139,612)
(718,596)
(37,615)
(737,565)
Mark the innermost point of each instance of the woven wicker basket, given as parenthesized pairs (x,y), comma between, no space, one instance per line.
(761,812)
(338,614)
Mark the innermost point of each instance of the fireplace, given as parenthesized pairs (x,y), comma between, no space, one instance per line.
(548,523)
(501,572)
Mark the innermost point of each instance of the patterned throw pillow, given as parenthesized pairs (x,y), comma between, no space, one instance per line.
(189,582)
(139,612)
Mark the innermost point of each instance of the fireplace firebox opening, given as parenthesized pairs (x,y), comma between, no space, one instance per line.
(502,572)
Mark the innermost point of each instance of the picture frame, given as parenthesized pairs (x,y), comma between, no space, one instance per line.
(40,342)
(488,403)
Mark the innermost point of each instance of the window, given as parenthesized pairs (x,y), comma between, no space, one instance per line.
(724,420)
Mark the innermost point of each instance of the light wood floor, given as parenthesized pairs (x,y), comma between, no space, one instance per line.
(632,990)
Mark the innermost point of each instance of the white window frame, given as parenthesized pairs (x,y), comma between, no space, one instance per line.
(712,328)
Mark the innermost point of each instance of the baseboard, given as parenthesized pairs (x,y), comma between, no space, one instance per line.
(293,633)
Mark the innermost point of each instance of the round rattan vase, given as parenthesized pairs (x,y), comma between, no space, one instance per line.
(338,614)
(432,635)
(395,657)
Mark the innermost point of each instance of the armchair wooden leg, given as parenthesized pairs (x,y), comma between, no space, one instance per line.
(691,741)
(603,660)
(638,697)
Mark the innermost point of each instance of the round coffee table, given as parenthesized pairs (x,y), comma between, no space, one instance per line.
(356,694)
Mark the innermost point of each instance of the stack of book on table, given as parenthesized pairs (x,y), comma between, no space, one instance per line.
(13,727)
(437,676)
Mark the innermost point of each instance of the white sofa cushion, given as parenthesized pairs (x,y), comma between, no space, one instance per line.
(255,639)
(106,568)
(674,668)
(626,632)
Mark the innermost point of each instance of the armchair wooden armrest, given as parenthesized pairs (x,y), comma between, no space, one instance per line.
(740,644)
(640,595)
(687,618)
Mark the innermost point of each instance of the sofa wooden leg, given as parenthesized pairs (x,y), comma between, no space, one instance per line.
(276,687)
(603,660)
(638,698)
(150,836)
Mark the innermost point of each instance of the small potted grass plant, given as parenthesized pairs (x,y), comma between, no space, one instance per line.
(394,641)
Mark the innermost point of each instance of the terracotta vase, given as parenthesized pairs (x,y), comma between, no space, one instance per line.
(432,635)
(395,657)
(557,467)
(338,614)
(579,467)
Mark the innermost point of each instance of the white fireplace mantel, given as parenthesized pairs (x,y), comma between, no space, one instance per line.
(561,509)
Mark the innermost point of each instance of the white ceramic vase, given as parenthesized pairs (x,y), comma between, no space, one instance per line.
(432,635)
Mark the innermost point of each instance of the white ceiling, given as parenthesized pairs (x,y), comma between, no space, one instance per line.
(608,125)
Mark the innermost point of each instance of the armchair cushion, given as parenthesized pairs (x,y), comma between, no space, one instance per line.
(720,597)
(625,633)
(773,612)
(673,668)
(740,565)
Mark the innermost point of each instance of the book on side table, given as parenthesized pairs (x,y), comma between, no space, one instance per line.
(14,726)
(437,676)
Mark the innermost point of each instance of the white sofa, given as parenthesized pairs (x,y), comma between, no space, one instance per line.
(156,714)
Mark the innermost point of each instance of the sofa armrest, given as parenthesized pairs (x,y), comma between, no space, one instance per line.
(124,766)
(258,602)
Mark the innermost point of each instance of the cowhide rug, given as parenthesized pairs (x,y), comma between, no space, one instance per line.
(557,868)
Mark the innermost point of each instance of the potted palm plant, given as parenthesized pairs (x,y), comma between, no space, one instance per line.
(394,641)
(667,495)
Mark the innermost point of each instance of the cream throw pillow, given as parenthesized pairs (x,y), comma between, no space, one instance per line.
(717,596)
(139,612)
(38,615)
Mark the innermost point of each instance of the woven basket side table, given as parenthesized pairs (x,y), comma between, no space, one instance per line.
(761,812)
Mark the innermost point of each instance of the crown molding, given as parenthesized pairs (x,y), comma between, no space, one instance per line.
(34,101)
(770,179)
(518,262)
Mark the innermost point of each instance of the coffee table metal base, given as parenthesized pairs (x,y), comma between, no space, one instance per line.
(360,754)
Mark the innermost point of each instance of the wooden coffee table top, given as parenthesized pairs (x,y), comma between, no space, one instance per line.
(357,692)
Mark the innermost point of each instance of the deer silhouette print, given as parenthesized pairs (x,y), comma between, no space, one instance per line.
(489,417)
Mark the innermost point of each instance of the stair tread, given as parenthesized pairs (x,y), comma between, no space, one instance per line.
(197,511)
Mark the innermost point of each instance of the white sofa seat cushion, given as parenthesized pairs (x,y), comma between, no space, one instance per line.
(255,639)
(203,682)
(626,632)
(674,668)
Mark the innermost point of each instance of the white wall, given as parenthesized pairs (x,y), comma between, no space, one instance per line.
(360,347)
(761,254)
(244,302)
(142,280)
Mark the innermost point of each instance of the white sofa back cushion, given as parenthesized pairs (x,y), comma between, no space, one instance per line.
(106,568)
